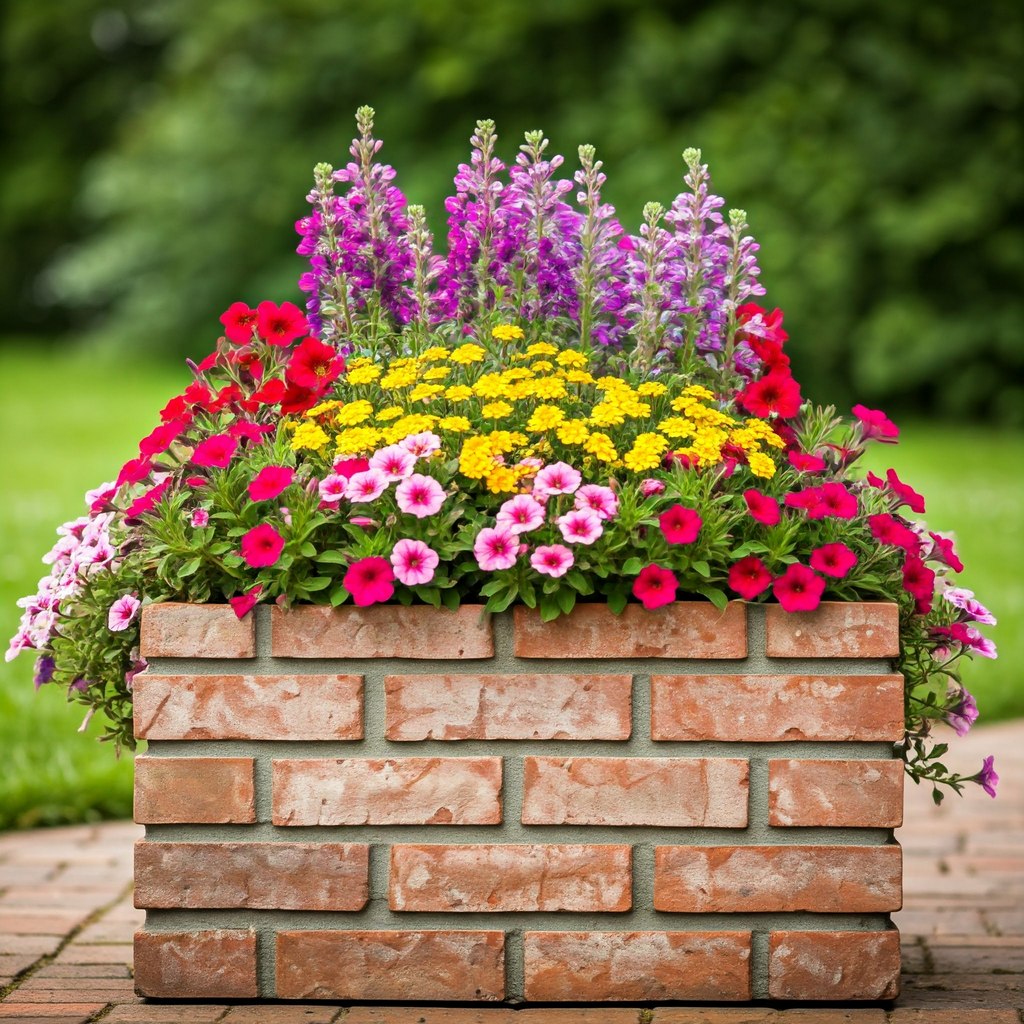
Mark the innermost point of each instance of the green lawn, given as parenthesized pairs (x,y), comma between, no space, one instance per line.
(68,423)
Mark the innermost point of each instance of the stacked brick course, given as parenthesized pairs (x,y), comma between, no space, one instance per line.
(410,804)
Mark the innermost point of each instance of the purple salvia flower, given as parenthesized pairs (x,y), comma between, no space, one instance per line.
(964,714)
(741,284)
(426,266)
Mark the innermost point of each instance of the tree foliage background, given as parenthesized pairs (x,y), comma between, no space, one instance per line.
(157,153)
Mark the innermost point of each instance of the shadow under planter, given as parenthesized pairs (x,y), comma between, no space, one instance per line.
(403,803)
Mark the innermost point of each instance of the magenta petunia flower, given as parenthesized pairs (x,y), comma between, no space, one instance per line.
(987,778)
(122,613)
(215,450)
(763,508)
(419,495)
(496,548)
(370,581)
(414,562)
(875,425)
(807,499)
(558,478)
(262,546)
(799,589)
(749,577)
(964,715)
(886,529)
(366,486)
(680,525)
(552,560)
(521,514)
(964,600)
(833,500)
(601,500)
(244,603)
(655,586)
(968,637)
(943,551)
(580,526)
(269,482)
(833,560)
(649,487)
(904,492)
(805,463)
(394,462)
(919,582)
(200,518)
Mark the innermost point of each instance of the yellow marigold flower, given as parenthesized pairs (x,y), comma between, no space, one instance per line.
(365,374)
(542,366)
(414,423)
(468,353)
(677,426)
(579,377)
(542,348)
(697,391)
(765,432)
(434,353)
(651,389)
(490,385)
(601,447)
(544,418)
(610,384)
(456,424)
(437,373)
(398,378)
(309,436)
(390,413)
(745,438)
(359,361)
(501,480)
(458,393)
(319,410)
(570,357)
(508,332)
(761,465)
(646,452)
(424,392)
(476,459)
(704,416)
(353,413)
(708,444)
(517,373)
(547,388)
(573,432)
(604,414)
(496,410)
(357,439)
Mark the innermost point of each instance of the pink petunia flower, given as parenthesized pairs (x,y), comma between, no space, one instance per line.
(262,546)
(834,560)
(521,514)
(965,601)
(749,577)
(366,486)
(655,586)
(763,508)
(799,589)
(807,499)
(580,526)
(919,582)
(349,467)
(601,500)
(964,715)
(680,525)
(421,445)
(552,560)
(269,482)
(987,778)
(886,529)
(834,500)
(122,613)
(332,488)
(216,450)
(649,487)
(370,581)
(805,463)
(496,548)
(419,495)
(904,492)
(394,462)
(968,637)
(244,603)
(875,425)
(200,518)
(414,562)
(944,551)
(558,478)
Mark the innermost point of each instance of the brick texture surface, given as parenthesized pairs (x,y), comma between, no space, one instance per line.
(856,794)
(762,708)
(212,964)
(834,965)
(687,629)
(508,707)
(249,707)
(200,790)
(196,631)
(670,791)
(733,879)
(616,966)
(517,878)
(449,965)
(388,791)
(835,629)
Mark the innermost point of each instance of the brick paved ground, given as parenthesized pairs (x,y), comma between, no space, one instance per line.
(66,924)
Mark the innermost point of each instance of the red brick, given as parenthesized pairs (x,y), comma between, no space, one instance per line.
(66,1013)
(856,794)
(835,629)
(218,964)
(399,965)
(509,707)
(754,879)
(665,791)
(765,708)
(834,965)
(615,966)
(201,790)
(385,631)
(258,876)
(172,630)
(686,629)
(520,877)
(280,707)
(388,791)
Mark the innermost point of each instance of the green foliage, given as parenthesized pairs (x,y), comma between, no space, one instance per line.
(876,147)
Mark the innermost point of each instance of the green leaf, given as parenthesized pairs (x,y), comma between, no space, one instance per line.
(308,550)
(632,567)
(702,569)
(317,583)
(189,568)
(717,597)
(339,595)
(617,602)
(332,558)
(549,608)
(566,599)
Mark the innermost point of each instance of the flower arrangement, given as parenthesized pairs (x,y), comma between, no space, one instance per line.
(553,411)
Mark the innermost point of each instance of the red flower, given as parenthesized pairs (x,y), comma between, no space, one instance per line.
(749,577)
(655,586)
(833,560)
(227,394)
(799,589)
(919,582)
(834,500)
(196,481)
(216,450)
(349,467)
(175,409)
(250,431)
(280,325)
(906,494)
(159,440)
(685,460)
(370,581)
(209,362)
(269,482)
(886,529)
(134,470)
(945,552)
(197,393)
(776,392)
(296,399)
(314,365)
(680,525)
(773,359)
(762,507)
(875,425)
(806,499)
(804,463)
(147,502)
(239,320)
(270,392)
(244,603)
(262,546)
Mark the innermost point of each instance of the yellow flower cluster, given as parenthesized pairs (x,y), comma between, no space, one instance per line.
(501,418)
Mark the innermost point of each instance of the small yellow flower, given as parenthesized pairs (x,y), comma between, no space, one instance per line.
(571,358)
(601,447)
(698,391)
(390,413)
(490,385)
(761,465)
(547,388)
(434,353)
(651,389)
(496,410)
(468,353)
(573,432)
(456,424)
(309,436)
(356,440)
(353,413)
(677,427)
(395,378)
(542,348)
(365,374)
(437,373)
(319,410)
(646,452)
(414,423)
(507,332)
(424,392)
(544,418)
(501,480)
(458,393)
(579,377)
(605,414)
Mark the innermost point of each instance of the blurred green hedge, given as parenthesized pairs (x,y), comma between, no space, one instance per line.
(157,153)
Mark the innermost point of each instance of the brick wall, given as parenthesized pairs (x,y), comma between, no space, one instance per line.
(405,804)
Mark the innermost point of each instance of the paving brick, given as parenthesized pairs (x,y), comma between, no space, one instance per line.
(385,631)
(295,1013)
(387,791)
(257,876)
(763,708)
(64,1012)
(246,707)
(685,629)
(837,793)
(518,877)
(667,792)
(835,966)
(201,790)
(508,707)
(455,965)
(835,629)
(171,1013)
(618,966)
(172,630)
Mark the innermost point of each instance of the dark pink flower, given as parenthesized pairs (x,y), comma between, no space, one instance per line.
(833,560)
(805,463)
(244,603)
(269,482)
(906,494)
(680,525)
(159,439)
(834,500)
(987,778)
(262,546)
(887,529)
(799,589)
(134,471)
(919,582)
(968,637)
(945,552)
(762,507)
(147,502)
(370,581)
(216,450)
(806,499)
(749,577)
(655,586)
(875,425)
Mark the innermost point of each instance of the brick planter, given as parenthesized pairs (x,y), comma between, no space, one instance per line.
(408,804)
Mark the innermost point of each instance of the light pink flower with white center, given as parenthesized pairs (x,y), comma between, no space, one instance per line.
(332,488)
(394,462)
(601,500)
(521,514)
(580,526)
(552,560)
(558,478)
(649,487)
(421,445)
(419,495)
(496,548)
(101,494)
(414,562)
(122,613)
(200,518)
(960,597)
(367,486)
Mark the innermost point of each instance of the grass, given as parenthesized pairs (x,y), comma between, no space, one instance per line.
(68,422)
